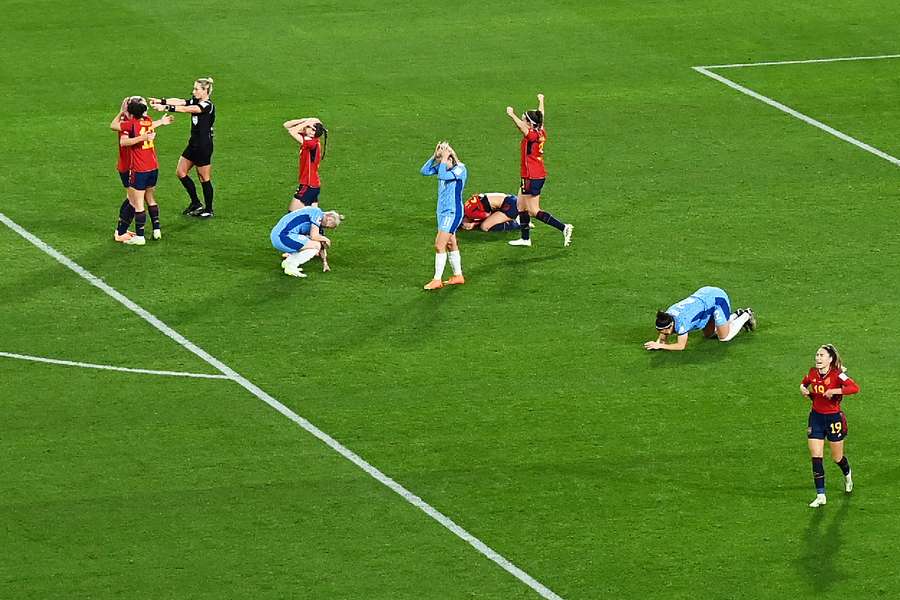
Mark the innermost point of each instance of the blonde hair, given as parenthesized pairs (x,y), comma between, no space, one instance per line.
(336,217)
(206,83)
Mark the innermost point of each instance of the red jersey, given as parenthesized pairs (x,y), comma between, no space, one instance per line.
(817,383)
(477,208)
(124,163)
(143,155)
(310,157)
(533,154)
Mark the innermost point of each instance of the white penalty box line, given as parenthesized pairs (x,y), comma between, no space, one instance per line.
(332,443)
(84,365)
(707,70)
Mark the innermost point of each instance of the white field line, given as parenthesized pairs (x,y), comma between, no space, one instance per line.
(372,471)
(799,115)
(800,62)
(70,363)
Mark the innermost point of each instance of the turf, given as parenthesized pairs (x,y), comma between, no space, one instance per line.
(521,404)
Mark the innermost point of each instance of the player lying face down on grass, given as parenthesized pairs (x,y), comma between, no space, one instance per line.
(491,212)
(707,309)
(452,175)
(826,384)
(312,136)
(298,235)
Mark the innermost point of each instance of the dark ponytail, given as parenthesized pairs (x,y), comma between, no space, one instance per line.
(322,133)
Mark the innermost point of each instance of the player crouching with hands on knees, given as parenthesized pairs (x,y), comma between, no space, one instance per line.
(452,175)
(826,384)
(299,236)
(708,309)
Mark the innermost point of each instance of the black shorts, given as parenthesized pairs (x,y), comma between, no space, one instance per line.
(144,180)
(125,176)
(199,154)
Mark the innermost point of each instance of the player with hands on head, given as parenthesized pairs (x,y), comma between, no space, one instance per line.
(534,174)
(452,176)
(198,153)
(709,309)
(826,384)
(312,136)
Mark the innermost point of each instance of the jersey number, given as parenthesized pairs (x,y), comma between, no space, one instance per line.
(836,428)
(818,389)
(147,143)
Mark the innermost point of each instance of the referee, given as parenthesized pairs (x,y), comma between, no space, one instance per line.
(199,148)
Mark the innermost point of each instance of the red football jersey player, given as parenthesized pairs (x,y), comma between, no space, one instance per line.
(310,157)
(143,155)
(826,384)
(835,381)
(532,148)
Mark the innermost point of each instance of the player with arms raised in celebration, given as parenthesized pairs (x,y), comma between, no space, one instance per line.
(312,136)
(534,174)
(452,175)
(708,309)
(826,384)
(199,150)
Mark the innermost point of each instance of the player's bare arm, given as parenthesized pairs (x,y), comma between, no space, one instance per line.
(172,101)
(144,137)
(680,344)
(540,98)
(164,120)
(522,125)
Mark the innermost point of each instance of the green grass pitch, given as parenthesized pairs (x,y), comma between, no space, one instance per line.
(522,404)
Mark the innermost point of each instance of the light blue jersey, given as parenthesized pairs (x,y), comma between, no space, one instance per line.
(292,231)
(695,311)
(451,183)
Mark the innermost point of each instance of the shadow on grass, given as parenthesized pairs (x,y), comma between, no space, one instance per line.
(822,539)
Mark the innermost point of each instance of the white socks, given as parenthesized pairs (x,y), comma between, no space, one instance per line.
(440,261)
(455,262)
(735,324)
(298,258)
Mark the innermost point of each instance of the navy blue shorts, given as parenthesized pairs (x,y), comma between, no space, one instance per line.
(831,426)
(142,181)
(307,195)
(510,207)
(125,176)
(532,187)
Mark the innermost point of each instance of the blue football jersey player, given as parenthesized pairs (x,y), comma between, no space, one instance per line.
(452,176)
(708,309)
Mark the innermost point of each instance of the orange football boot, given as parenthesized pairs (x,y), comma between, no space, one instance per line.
(455,280)
(434,284)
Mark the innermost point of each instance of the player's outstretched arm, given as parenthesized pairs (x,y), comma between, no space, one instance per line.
(541,106)
(522,125)
(172,101)
(163,120)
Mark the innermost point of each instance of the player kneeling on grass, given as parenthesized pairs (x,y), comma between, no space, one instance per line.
(708,309)
(298,235)
(491,212)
